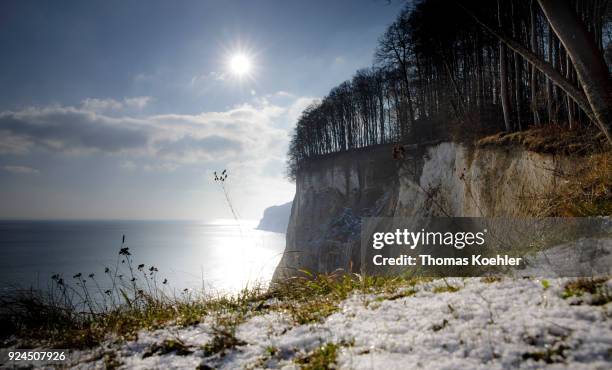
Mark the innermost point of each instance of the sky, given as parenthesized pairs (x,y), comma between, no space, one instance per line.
(123,109)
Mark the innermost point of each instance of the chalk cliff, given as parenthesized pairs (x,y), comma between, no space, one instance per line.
(275,218)
(445,179)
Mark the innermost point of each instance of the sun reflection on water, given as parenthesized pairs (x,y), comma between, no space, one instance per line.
(240,257)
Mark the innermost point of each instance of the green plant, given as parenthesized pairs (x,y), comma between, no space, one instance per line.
(550,355)
(596,287)
(446,288)
(322,358)
(224,339)
(491,279)
(168,346)
(313,297)
(271,351)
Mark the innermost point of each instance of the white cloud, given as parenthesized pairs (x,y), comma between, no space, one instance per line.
(97,105)
(169,154)
(210,76)
(21,170)
(248,137)
(284,94)
(109,104)
(295,110)
(138,102)
(69,129)
(12,144)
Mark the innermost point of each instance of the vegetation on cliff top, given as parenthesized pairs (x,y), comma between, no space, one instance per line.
(457,70)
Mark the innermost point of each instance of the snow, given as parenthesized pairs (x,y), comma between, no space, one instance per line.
(500,325)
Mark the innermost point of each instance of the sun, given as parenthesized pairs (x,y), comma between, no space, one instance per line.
(240,62)
(240,65)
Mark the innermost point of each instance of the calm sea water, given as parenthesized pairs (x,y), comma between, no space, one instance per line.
(218,257)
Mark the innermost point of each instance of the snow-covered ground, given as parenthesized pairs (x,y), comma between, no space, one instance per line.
(507,324)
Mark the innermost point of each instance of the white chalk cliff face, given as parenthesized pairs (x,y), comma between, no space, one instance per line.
(478,182)
(275,218)
(447,179)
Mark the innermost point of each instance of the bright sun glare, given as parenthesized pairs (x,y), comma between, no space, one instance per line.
(240,65)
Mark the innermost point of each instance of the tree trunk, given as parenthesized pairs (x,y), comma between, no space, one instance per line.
(544,67)
(533,72)
(408,94)
(549,93)
(588,60)
(518,73)
(503,76)
(568,101)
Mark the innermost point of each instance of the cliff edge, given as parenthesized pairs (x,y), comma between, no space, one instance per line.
(443,179)
(276,218)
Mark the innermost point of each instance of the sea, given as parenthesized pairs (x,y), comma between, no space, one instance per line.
(218,257)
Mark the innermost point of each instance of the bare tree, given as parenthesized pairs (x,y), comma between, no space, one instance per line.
(533,71)
(587,58)
(442,72)
(503,74)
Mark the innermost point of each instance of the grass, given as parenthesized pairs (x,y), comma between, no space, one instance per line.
(313,297)
(168,346)
(224,339)
(551,139)
(597,288)
(81,314)
(586,189)
(446,288)
(110,361)
(34,318)
(308,299)
(321,358)
(491,279)
(551,355)
(69,315)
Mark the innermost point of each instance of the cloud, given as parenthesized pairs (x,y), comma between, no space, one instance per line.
(68,129)
(211,76)
(284,94)
(138,102)
(94,104)
(190,149)
(21,170)
(109,104)
(250,137)
(13,144)
(236,136)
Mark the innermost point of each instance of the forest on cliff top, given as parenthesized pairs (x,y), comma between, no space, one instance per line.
(456,70)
